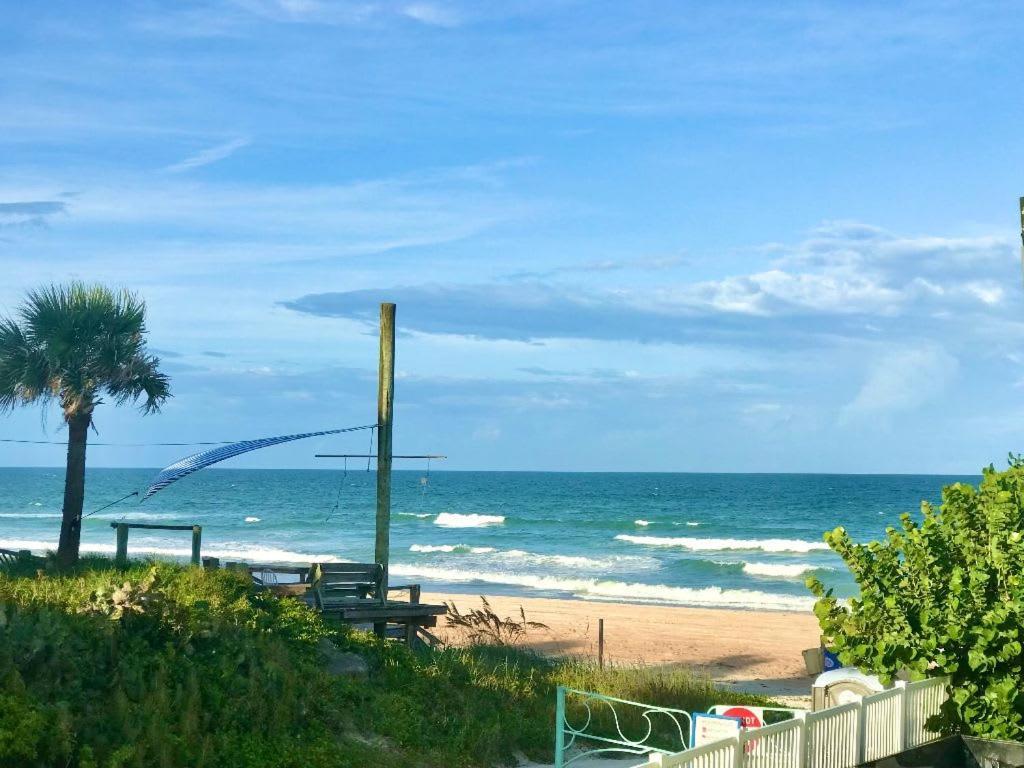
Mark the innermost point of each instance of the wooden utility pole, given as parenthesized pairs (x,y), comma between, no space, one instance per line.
(385,406)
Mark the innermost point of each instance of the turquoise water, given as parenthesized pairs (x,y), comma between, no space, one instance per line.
(744,541)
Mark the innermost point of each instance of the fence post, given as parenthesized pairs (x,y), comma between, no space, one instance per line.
(904,706)
(801,739)
(862,731)
(600,643)
(121,553)
(737,751)
(559,727)
(197,538)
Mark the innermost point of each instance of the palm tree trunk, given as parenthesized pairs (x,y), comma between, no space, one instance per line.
(74,491)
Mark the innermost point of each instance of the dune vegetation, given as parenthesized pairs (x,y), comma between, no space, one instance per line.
(943,594)
(162,665)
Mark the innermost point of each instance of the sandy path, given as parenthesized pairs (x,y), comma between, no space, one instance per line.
(756,651)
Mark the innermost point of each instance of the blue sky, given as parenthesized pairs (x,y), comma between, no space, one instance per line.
(646,235)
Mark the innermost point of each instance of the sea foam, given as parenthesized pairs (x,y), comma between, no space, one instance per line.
(115,515)
(567,561)
(523,557)
(788,571)
(718,545)
(455,520)
(595,589)
(228,551)
(464,548)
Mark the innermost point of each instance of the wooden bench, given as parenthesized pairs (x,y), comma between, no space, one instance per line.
(295,584)
(267,575)
(354,593)
(10,558)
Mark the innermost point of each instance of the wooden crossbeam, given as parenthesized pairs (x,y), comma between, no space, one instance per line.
(374,456)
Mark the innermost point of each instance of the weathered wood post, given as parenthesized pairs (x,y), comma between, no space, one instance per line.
(197,540)
(385,405)
(600,643)
(121,552)
(1022,222)
(1022,233)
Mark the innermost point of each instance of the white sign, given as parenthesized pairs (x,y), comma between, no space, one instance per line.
(708,728)
(751,717)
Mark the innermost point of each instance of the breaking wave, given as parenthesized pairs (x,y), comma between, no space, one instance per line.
(718,545)
(464,548)
(115,515)
(596,589)
(228,551)
(455,520)
(783,570)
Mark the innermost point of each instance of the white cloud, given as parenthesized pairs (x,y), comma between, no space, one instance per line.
(847,268)
(208,156)
(901,380)
(758,408)
(487,432)
(432,14)
(987,291)
(774,291)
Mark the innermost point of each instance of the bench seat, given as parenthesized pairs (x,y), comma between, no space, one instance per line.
(371,610)
(353,592)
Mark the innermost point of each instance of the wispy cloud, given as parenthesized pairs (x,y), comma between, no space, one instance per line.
(208,156)
(33,213)
(432,14)
(217,223)
(344,13)
(900,380)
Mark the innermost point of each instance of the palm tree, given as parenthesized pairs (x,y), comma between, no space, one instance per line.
(72,344)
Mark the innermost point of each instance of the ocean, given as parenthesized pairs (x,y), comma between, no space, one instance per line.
(712,540)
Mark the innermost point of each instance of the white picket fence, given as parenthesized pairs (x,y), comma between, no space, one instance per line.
(838,737)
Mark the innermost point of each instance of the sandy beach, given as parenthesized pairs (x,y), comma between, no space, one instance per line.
(756,651)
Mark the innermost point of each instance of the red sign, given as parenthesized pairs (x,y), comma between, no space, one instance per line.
(750,716)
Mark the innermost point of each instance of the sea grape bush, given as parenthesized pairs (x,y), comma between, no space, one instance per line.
(943,595)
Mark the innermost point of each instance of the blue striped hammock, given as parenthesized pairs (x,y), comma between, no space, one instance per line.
(197,461)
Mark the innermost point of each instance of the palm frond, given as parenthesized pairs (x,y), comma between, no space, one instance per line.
(25,376)
(139,376)
(76,341)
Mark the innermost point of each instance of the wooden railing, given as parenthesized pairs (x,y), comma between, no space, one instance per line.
(121,554)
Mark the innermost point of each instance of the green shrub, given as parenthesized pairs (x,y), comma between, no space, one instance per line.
(159,665)
(943,595)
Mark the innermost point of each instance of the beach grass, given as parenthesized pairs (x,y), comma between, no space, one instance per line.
(161,665)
